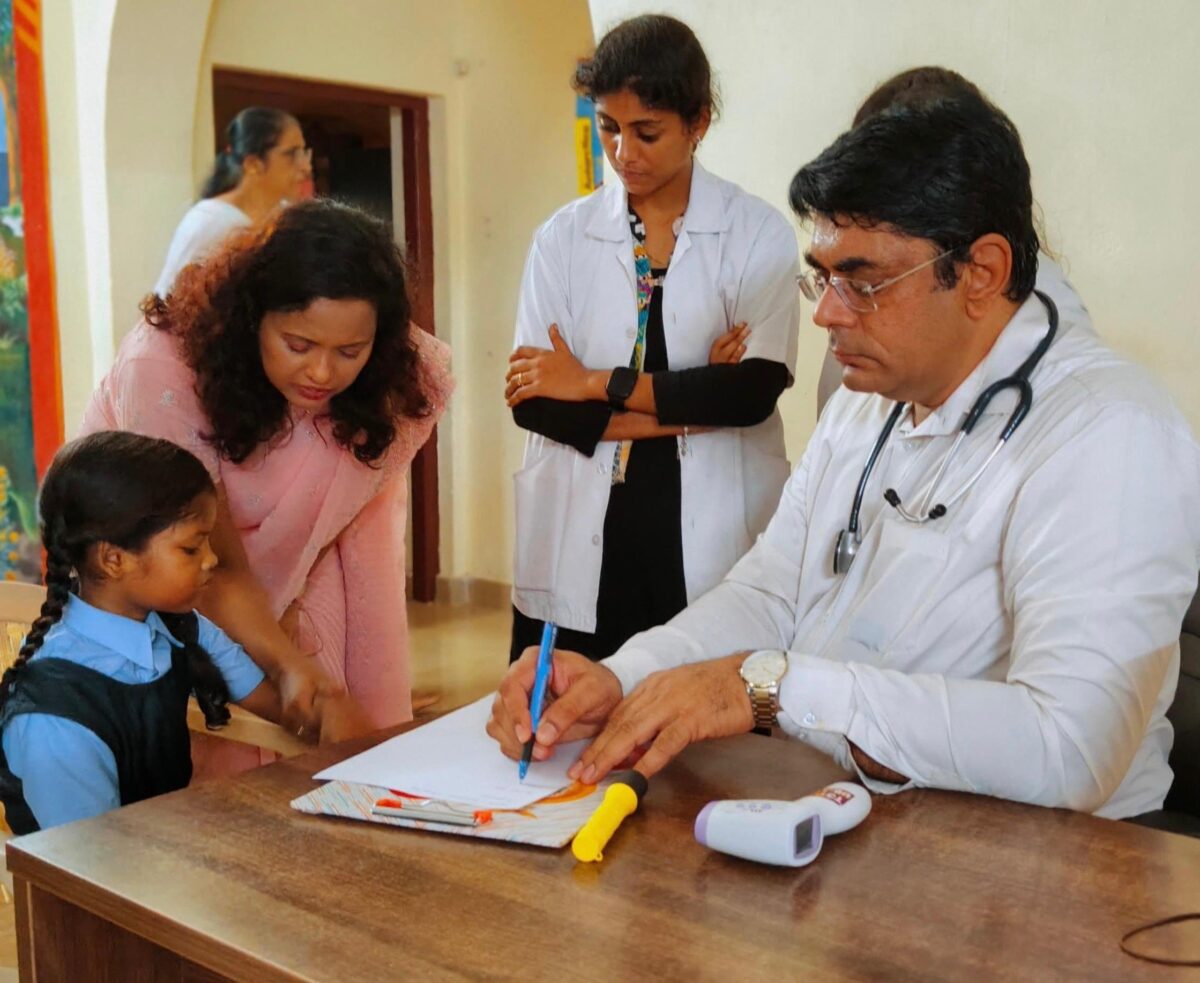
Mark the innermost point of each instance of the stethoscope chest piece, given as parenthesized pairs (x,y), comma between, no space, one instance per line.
(845,551)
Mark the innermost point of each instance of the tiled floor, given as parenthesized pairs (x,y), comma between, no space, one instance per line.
(460,653)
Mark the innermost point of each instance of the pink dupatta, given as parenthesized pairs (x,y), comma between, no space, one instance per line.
(317,525)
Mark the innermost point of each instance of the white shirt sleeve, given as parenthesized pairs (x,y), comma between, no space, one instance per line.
(1096,592)
(206,225)
(543,297)
(753,608)
(1099,561)
(1097,589)
(768,298)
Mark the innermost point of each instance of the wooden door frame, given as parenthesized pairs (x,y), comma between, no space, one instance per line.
(418,234)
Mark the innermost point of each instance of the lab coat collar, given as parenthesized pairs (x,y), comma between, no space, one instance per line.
(1019,337)
(706,211)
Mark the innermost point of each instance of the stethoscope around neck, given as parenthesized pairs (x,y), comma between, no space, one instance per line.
(850,538)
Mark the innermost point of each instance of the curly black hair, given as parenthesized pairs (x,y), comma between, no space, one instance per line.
(314,249)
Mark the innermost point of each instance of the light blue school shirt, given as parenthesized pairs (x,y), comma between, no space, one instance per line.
(66,771)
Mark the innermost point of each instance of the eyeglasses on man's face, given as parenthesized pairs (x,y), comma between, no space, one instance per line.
(858,295)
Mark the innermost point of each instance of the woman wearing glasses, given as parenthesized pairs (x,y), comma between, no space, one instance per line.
(656,330)
(264,163)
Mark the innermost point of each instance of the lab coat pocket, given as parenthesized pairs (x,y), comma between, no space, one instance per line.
(542,491)
(763,477)
(898,588)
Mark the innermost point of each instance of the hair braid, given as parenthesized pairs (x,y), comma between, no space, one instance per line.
(212,692)
(58,589)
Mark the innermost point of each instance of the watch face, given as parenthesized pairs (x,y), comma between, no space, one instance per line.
(764,668)
(621,383)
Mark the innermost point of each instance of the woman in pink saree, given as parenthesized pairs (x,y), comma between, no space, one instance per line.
(288,365)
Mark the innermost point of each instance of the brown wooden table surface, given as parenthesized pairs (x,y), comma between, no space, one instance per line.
(224,880)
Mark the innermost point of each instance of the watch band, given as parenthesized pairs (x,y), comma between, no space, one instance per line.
(764,701)
(621,383)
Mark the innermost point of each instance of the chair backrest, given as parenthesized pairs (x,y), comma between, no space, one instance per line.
(20,604)
(1184,715)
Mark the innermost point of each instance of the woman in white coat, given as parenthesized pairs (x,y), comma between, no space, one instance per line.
(655,332)
(263,164)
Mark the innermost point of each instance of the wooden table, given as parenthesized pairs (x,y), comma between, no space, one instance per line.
(225,881)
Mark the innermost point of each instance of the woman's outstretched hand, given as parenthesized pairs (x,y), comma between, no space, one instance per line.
(302,688)
(342,719)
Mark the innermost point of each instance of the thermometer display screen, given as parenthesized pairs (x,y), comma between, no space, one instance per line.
(805,832)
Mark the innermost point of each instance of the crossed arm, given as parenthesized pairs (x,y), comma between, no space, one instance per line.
(553,394)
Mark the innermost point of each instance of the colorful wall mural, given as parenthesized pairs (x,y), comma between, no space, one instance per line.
(30,391)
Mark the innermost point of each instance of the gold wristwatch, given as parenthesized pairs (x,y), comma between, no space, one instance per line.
(762,672)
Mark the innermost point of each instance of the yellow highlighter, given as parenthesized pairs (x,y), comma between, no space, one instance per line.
(620,799)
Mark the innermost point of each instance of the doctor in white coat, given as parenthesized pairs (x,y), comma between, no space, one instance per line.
(656,329)
(1009,622)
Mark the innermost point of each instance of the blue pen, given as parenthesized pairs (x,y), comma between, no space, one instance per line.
(538,696)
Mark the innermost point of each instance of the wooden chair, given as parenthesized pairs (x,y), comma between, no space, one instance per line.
(245,727)
(1181,811)
(20,604)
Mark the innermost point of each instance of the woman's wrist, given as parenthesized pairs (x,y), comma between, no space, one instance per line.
(595,385)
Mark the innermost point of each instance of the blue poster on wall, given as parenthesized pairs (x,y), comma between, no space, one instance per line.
(589,155)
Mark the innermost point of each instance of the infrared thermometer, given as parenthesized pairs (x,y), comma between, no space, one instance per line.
(785,833)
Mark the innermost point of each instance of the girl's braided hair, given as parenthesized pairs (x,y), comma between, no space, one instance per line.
(119,488)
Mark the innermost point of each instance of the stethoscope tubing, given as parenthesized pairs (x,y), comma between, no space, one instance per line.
(1019,380)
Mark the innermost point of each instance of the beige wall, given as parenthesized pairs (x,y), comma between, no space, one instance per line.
(1104,109)
(119,124)
(1102,92)
(497,72)
(151,92)
(78,200)
(130,138)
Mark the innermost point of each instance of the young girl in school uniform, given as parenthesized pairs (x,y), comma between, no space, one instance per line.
(93,712)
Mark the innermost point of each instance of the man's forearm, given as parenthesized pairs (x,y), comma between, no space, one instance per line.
(873,769)
(732,617)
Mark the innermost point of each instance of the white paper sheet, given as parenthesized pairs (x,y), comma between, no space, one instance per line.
(453,759)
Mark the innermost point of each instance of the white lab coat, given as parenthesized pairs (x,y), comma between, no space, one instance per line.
(1026,644)
(735,260)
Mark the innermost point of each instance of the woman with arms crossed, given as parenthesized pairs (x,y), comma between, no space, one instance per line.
(656,330)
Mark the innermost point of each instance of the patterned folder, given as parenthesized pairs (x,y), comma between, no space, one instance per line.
(549,822)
